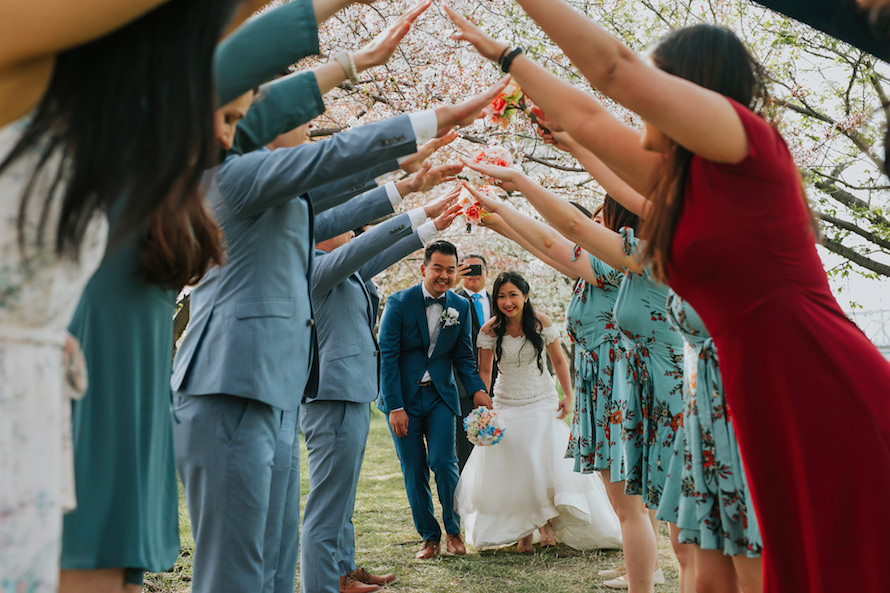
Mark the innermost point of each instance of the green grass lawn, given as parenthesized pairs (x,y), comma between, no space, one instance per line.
(387,541)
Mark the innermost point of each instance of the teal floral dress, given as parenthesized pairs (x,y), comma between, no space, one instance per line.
(706,493)
(593,443)
(650,399)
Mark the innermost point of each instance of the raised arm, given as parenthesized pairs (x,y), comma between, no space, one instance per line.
(42,28)
(572,109)
(542,241)
(32,33)
(439,216)
(603,243)
(259,180)
(279,106)
(335,267)
(496,223)
(263,47)
(616,187)
(701,120)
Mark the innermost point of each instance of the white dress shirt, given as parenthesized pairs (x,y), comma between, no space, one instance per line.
(434,325)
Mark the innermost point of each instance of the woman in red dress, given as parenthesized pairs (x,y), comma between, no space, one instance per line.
(731,232)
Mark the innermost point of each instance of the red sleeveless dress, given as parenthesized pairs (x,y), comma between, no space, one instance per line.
(808,393)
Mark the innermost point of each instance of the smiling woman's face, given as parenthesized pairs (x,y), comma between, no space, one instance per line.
(510,300)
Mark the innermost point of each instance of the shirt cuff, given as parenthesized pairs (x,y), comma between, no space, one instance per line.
(425,125)
(427,232)
(417,217)
(395,198)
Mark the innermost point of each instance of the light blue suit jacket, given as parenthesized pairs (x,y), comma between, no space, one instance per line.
(345,312)
(251,331)
(404,344)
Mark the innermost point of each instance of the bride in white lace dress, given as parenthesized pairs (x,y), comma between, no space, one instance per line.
(524,485)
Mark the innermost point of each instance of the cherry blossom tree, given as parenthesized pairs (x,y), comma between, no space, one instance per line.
(828,99)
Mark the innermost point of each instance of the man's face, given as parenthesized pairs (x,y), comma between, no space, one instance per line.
(439,273)
(475,283)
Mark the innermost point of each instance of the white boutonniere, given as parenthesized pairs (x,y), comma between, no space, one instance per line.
(450,317)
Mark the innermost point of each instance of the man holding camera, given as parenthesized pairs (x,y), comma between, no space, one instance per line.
(473,272)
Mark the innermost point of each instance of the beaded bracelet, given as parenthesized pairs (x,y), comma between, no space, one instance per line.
(347,62)
(507,60)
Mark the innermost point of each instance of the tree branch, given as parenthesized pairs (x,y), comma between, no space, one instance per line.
(857,139)
(851,201)
(849,226)
(552,165)
(856,258)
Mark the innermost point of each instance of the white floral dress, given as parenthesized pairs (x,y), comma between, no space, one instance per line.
(38,293)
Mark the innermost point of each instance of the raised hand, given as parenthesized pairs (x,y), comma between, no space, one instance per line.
(466,112)
(444,220)
(467,31)
(382,47)
(490,205)
(494,222)
(428,177)
(504,177)
(560,140)
(437,208)
(415,161)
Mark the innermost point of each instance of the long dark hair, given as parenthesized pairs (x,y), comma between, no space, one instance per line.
(131,115)
(715,58)
(616,216)
(180,245)
(531,325)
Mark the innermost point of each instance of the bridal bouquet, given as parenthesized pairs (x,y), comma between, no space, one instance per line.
(483,427)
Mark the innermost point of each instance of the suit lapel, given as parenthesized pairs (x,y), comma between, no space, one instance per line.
(419,310)
(371,317)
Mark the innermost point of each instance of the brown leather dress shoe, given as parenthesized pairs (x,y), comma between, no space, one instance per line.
(350,585)
(429,550)
(455,545)
(363,576)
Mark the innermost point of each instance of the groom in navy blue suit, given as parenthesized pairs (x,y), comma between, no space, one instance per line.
(424,333)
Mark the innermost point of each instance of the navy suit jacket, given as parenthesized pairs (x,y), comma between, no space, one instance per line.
(404,344)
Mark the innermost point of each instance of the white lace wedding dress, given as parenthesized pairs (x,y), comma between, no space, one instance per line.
(507,491)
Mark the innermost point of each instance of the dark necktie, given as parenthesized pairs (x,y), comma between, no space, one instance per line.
(427,301)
